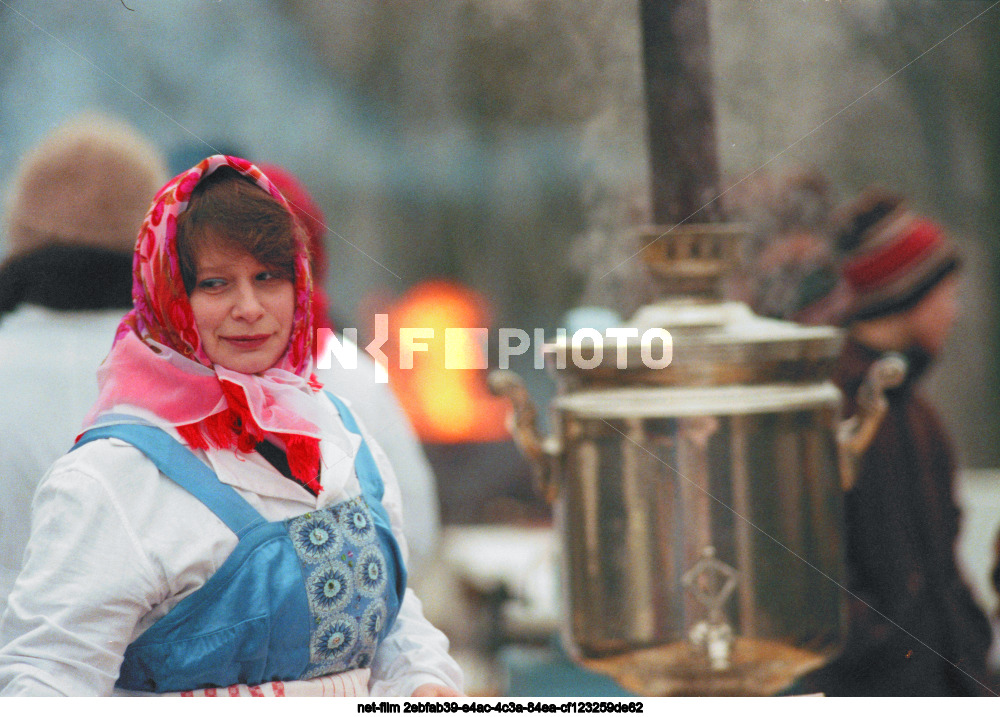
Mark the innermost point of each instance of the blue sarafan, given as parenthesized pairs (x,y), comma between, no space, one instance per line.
(277,626)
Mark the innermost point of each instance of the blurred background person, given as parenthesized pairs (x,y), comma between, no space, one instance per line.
(914,626)
(365,389)
(993,658)
(75,204)
(789,268)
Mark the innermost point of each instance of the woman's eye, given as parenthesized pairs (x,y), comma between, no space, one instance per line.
(209,284)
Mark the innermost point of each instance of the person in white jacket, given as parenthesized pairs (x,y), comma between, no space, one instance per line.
(74,202)
(222,522)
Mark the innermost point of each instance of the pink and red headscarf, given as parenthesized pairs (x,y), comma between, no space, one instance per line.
(158,369)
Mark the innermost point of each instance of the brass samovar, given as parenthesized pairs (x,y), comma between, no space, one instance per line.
(698,505)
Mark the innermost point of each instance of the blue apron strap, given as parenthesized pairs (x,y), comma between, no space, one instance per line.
(370,479)
(181,465)
(365,467)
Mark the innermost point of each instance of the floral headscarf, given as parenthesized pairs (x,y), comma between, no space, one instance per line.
(158,365)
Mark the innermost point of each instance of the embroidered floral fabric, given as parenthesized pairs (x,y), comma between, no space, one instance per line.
(346,583)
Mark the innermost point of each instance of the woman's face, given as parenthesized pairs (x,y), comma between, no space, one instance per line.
(242,310)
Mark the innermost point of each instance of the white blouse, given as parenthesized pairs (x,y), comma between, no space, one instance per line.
(115,545)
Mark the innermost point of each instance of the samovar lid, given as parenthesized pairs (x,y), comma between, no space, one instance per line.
(712,344)
(678,402)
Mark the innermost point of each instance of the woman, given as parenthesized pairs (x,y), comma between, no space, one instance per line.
(144,570)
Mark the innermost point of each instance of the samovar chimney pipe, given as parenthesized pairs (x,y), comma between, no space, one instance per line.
(680,114)
(686,248)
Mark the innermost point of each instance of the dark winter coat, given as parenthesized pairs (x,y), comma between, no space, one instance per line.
(67,277)
(914,627)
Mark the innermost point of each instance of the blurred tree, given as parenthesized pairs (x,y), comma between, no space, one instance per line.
(908,37)
(988,86)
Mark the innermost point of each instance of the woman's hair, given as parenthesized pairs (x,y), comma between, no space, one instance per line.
(229,208)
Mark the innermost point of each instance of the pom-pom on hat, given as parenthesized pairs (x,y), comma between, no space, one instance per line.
(891,256)
(87,183)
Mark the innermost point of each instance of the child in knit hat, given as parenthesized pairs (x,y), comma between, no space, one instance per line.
(914,626)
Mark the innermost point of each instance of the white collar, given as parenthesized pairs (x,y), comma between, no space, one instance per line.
(251,472)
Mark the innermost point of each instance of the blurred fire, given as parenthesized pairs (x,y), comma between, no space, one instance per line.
(445,405)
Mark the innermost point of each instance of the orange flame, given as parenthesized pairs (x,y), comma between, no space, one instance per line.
(445,405)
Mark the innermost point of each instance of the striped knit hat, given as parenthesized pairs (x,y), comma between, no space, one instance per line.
(891,257)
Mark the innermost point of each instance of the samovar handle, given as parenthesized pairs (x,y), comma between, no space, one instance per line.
(856,433)
(540,450)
